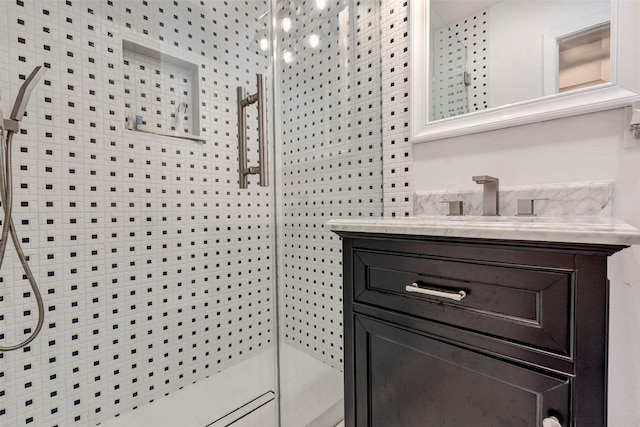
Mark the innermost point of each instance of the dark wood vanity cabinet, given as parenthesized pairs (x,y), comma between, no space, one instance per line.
(525,342)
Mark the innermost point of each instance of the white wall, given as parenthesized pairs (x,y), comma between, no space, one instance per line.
(516,45)
(581,148)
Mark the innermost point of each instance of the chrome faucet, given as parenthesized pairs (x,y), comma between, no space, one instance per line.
(490,194)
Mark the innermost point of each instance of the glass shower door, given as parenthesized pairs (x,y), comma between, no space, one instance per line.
(328,165)
(157,271)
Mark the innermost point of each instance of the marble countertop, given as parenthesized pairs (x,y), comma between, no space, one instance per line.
(568,229)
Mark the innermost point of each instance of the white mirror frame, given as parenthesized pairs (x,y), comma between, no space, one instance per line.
(623,90)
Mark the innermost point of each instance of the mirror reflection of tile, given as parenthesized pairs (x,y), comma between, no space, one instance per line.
(460,69)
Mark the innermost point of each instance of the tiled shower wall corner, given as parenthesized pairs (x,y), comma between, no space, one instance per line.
(155,268)
(397,150)
(332,168)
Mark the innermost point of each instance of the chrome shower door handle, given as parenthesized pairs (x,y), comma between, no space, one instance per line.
(243,101)
(242,139)
(262,130)
(454,295)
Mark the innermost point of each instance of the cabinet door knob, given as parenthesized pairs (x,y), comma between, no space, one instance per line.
(551,422)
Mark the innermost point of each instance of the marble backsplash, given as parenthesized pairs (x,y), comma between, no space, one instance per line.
(574,199)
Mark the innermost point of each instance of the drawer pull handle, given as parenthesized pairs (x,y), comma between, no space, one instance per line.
(458,296)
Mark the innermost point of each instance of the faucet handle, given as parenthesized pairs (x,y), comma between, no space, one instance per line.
(455,207)
(483,179)
(526,207)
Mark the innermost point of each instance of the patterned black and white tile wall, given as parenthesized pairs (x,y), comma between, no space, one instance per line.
(155,268)
(374,121)
(330,120)
(397,150)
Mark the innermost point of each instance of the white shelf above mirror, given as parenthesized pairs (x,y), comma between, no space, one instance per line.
(623,89)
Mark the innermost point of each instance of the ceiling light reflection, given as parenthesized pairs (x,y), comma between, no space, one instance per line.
(286,24)
(314,40)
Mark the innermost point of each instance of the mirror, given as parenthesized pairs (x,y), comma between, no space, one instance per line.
(478,65)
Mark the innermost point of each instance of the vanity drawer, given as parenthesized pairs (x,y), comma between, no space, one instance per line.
(531,306)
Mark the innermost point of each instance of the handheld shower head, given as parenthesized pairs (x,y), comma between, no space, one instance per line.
(20,105)
(12,125)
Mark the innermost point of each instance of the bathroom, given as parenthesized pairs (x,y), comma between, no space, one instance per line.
(169,289)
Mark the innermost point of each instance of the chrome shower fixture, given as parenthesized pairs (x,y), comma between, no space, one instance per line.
(12,126)
(20,105)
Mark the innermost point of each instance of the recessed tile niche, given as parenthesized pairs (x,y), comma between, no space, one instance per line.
(157,87)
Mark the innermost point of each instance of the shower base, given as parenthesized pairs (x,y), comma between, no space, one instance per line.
(241,396)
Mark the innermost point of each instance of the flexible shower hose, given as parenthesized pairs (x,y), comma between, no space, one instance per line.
(6,194)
